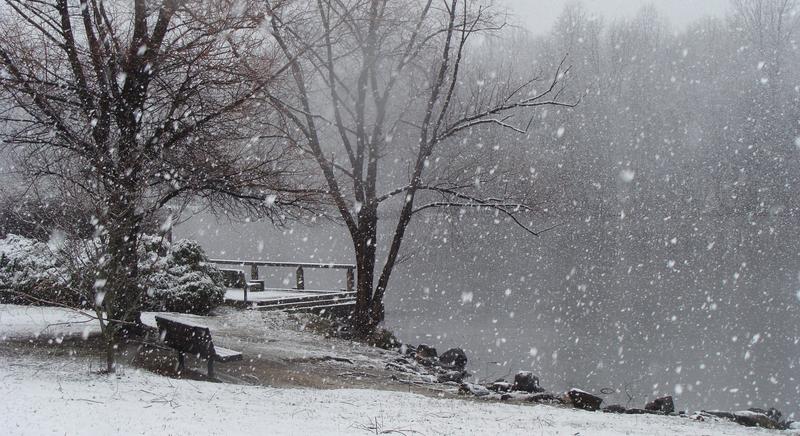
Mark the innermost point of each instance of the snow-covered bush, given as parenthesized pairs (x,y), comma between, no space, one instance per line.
(177,277)
(181,281)
(30,272)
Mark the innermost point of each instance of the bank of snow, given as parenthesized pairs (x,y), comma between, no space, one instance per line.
(62,397)
(59,395)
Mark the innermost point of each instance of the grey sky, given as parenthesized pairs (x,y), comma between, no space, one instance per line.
(539,15)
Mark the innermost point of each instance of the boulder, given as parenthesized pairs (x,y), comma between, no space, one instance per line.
(772,413)
(662,404)
(615,408)
(499,386)
(748,418)
(584,400)
(526,381)
(426,355)
(544,397)
(451,376)
(426,351)
(477,390)
(454,358)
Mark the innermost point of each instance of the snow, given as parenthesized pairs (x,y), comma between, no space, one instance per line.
(60,395)
(143,403)
(23,322)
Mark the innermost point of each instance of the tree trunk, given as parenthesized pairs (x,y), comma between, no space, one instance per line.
(364,280)
(123,293)
(364,242)
(111,349)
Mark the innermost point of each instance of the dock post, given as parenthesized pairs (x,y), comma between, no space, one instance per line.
(253,272)
(350,279)
(301,282)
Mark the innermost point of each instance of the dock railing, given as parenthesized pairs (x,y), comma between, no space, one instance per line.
(298,266)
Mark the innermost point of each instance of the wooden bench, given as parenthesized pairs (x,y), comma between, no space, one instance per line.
(193,339)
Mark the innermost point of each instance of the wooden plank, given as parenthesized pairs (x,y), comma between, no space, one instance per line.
(291,300)
(294,304)
(322,307)
(283,264)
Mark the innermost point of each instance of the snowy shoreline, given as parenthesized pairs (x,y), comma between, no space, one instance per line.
(59,394)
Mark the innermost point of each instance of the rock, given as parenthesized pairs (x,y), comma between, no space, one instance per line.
(451,376)
(614,408)
(426,351)
(755,419)
(545,397)
(718,414)
(399,367)
(505,397)
(635,411)
(773,413)
(455,358)
(526,381)
(663,404)
(500,386)
(426,355)
(584,400)
(402,360)
(748,418)
(477,390)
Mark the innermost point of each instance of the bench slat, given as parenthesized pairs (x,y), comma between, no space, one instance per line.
(226,355)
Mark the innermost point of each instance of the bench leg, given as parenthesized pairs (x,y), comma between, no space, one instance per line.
(210,368)
(181,361)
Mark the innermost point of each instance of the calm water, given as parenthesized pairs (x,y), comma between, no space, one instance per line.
(715,324)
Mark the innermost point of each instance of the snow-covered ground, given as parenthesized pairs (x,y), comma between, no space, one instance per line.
(27,322)
(60,395)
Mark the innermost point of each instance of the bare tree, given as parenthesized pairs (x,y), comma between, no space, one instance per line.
(767,31)
(129,107)
(378,90)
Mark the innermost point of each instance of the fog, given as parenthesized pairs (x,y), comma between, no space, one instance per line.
(674,267)
(538,16)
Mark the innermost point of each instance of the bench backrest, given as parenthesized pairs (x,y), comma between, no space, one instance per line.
(187,338)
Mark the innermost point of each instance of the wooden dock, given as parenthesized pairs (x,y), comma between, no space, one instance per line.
(252,293)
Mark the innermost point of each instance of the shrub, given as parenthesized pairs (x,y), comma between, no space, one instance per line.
(30,272)
(184,281)
(178,278)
